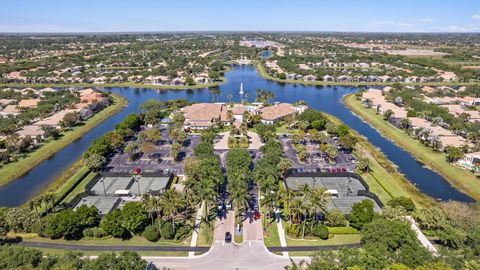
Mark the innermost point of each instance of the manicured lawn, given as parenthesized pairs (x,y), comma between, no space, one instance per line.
(79,188)
(339,239)
(134,241)
(205,236)
(458,177)
(14,170)
(270,236)
(51,251)
(238,239)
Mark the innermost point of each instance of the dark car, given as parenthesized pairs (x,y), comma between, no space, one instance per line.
(228,237)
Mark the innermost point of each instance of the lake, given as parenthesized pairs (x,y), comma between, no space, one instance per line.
(324,98)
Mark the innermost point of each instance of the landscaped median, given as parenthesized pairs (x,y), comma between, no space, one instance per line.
(460,178)
(11,171)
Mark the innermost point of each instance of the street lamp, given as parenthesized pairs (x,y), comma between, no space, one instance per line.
(137,179)
(348,185)
(104,191)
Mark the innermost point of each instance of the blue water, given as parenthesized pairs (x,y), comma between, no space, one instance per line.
(323,98)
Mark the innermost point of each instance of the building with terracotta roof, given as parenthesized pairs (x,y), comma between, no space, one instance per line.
(28,103)
(278,111)
(204,115)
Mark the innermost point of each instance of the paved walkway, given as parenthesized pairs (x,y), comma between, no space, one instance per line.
(196,228)
(422,238)
(281,232)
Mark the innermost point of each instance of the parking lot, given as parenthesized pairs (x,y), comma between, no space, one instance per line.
(316,160)
(159,161)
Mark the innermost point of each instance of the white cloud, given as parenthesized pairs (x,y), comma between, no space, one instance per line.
(476,17)
(426,20)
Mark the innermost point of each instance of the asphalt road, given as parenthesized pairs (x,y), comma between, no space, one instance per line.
(223,256)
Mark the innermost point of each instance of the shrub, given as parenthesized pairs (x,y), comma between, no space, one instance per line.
(151,233)
(182,232)
(320,230)
(404,202)
(167,231)
(88,233)
(335,218)
(342,230)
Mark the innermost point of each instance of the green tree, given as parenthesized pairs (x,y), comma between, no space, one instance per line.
(362,213)
(112,223)
(134,217)
(95,162)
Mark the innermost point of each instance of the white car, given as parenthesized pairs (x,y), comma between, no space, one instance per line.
(228,205)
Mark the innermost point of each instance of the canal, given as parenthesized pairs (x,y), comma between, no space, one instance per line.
(327,99)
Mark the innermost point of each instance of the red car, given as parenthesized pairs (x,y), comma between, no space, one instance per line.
(136,171)
(256,215)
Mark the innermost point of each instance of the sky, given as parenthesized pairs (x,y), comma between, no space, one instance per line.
(240,15)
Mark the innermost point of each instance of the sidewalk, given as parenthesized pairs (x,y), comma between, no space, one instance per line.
(281,232)
(422,238)
(196,229)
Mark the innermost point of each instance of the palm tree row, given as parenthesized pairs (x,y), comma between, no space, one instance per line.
(171,205)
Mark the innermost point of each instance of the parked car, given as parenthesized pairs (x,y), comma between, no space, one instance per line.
(256,215)
(220,206)
(228,237)
(228,205)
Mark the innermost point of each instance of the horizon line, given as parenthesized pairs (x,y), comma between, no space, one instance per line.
(231,31)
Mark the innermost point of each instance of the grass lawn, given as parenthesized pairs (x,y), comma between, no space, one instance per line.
(134,241)
(51,251)
(339,239)
(11,171)
(79,188)
(270,235)
(460,178)
(205,236)
(238,239)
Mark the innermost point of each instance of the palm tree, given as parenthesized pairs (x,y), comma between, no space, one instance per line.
(318,199)
(268,201)
(49,199)
(171,203)
(33,205)
(286,196)
(148,206)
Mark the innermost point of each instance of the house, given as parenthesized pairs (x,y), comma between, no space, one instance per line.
(202,79)
(117,79)
(328,78)
(470,161)
(99,80)
(28,103)
(85,113)
(178,81)
(309,78)
(291,76)
(32,131)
